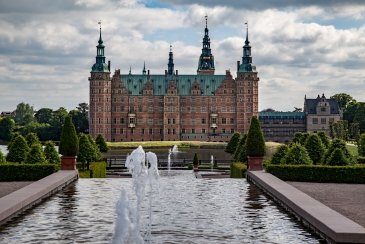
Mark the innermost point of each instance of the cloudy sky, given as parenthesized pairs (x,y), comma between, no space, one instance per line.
(299,46)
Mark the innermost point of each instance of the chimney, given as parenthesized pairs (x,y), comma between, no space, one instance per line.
(238,65)
(177,72)
(109,65)
(148,72)
(165,72)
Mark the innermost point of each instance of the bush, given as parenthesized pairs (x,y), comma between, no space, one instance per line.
(303,139)
(195,161)
(32,139)
(35,155)
(86,149)
(14,135)
(319,173)
(25,172)
(50,153)
(103,147)
(362,145)
(297,154)
(240,155)
(324,139)
(238,170)
(69,142)
(18,150)
(297,137)
(361,160)
(2,158)
(96,152)
(255,142)
(279,154)
(338,143)
(233,142)
(98,170)
(337,158)
(315,148)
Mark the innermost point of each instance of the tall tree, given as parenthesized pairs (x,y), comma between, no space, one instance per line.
(24,114)
(58,118)
(44,115)
(343,99)
(6,128)
(360,117)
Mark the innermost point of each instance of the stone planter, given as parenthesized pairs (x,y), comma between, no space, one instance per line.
(68,162)
(255,163)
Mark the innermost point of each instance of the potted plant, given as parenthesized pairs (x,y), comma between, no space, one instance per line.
(255,145)
(69,145)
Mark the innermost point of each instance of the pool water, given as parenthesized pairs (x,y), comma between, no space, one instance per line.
(184,210)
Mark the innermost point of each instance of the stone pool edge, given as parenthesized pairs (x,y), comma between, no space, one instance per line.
(331,225)
(30,195)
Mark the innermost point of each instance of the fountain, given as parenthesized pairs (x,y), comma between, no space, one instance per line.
(169,161)
(175,149)
(211,162)
(143,167)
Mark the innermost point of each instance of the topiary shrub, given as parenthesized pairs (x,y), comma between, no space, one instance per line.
(195,161)
(233,142)
(361,147)
(103,147)
(238,170)
(50,153)
(96,152)
(297,154)
(32,139)
(18,150)
(297,137)
(2,158)
(338,143)
(14,135)
(324,139)
(303,139)
(86,149)
(35,155)
(240,154)
(315,148)
(279,154)
(255,142)
(69,142)
(337,158)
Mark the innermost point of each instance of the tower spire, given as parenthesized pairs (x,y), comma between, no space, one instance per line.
(100,40)
(247,65)
(206,60)
(144,68)
(247,41)
(170,65)
(100,65)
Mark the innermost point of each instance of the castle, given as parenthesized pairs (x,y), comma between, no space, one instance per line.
(172,106)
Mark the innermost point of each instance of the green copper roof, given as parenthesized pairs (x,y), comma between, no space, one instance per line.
(208,83)
(282,115)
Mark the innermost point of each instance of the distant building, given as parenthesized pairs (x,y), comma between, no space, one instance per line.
(281,126)
(320,113)
(173,106)
(7,114)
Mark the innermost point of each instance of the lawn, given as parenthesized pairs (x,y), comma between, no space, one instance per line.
(352,149)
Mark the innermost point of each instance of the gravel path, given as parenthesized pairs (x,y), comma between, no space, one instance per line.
(347,199)
(9,187)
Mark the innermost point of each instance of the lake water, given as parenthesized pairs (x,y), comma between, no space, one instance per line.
(184,210)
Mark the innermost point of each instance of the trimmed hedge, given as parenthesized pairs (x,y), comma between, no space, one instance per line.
(319,173)
(98,170)
(25,172)
(238,170)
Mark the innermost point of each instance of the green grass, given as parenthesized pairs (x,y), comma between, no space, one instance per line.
(271,148)
(162,144)
(98,170)
(352,149)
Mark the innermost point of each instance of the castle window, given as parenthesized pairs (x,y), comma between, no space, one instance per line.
(323,109)
(314,121)
(203,130)
(223,130)
(173,121)
(115,120)
(150,131)
(142,131)
(193,131)
(323,121)
(232,120)
(203,121)
(224,121)
(173,131)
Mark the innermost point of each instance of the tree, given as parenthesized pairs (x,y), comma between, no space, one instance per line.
(297,154)
(255,142)
(324,139)
(69,142)
(195,160)
(240,154)
(32,139)
(303,139)
(340,144)
(337,158)
(97,153)
(35,155)
(360,117)
(57,121)
(315,148)
(86,149)
(6,128)
(80,118)
(297,137)
(18,150)
(361,147)
(231,146)
(2,158)
(51,153)
(24,114)
(354,131)
(279,154)
(103,147)
(343,100)
(44,115)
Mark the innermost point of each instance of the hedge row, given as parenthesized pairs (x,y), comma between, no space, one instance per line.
(97,170)
(319,173)
(26,172)
(238,170)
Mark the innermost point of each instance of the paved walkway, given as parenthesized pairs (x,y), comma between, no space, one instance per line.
(347,199)
(11,186)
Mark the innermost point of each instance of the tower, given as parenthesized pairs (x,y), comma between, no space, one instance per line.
(247,88)
(206,60)
(100,94)
(170,65)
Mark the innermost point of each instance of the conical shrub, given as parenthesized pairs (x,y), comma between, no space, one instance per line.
(297,154)
(337,158)
(315,148)
(100,141)
(32,139)
(18,150)
(69,142)
(279,154)
(51,153)
(232,144)
(255,143)
(35,155)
